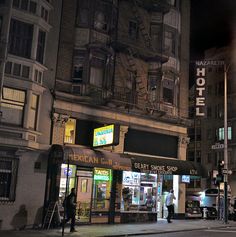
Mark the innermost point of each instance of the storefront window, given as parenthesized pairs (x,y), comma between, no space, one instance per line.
(139,191)
(101,189)
(71,180)
(70,131)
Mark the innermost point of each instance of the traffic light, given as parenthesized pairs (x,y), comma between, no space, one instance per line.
(220,167)
(219,177)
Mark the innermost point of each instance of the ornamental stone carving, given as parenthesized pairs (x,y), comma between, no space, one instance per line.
(60,119)
(184,140)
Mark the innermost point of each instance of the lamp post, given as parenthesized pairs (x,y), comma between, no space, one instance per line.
(226,69)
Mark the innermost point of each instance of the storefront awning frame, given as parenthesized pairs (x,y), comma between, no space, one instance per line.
(86,157)
(166,166)
(128,162)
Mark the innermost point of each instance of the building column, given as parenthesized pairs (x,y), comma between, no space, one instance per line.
(120,148)
(59,121)
(180,192)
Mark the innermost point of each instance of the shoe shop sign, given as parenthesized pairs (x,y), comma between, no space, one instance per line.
(200,90)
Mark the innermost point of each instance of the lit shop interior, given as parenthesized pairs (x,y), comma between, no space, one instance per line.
(138,196)
(140,193)
(93,187)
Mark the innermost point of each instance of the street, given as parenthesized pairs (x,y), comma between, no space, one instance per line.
(198,227)
(216,232)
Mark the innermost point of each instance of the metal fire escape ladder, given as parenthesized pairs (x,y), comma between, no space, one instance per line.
(144,32)
(143,92)
(141,88)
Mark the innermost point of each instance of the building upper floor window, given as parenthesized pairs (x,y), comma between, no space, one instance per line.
(219,111)
(209,112)
(13,104)
(156,36)
(38,76)
(133,30)
(152,82)
(26,5)
(8,175)
(44,14)
(70,127)
(169,42)
(100,22)
(82,18)
(17,69)
(168,91)
(209,133)
(96,76)
(41,46)
(20,38)
(220,134)
(33,111)
(209,89)
(78,67)
(78,72)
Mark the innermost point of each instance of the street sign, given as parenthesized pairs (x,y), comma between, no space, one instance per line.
(225,171)
(217,146)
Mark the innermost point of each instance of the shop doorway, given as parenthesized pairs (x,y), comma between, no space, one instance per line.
(84,195)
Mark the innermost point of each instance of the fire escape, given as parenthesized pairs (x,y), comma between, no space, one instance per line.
(134,53)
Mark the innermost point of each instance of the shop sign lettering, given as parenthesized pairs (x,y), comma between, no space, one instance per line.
(200,91)
(85,159)
(159,169)
(98,161)
(102,172)
(210,63)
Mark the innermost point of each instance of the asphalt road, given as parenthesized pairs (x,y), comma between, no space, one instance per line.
(217,232)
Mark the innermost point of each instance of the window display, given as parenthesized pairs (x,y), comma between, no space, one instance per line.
(139,191)
(71,180)
(101,188)
(70,126)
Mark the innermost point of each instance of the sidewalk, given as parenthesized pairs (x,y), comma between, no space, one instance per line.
(123,229)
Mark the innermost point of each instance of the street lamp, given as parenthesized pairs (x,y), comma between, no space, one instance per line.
(226,69)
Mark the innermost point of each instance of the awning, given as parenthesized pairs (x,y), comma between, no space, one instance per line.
(165,166)
(92,158)
(105,159)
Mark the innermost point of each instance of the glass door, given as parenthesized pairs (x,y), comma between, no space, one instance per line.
(101,189)
(84,194)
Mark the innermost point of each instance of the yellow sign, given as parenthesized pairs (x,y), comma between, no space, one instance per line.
(103,136)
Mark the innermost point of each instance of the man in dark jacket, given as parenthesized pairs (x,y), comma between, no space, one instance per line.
(70,208)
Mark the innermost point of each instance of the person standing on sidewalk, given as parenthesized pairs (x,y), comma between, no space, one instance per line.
(70,206)
(170,205)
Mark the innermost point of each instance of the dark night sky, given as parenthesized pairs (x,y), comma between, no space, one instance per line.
(211,25)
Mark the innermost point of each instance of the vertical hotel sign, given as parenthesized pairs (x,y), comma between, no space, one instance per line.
(201,69)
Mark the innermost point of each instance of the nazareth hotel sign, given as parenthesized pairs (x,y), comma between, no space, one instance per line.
(201,69)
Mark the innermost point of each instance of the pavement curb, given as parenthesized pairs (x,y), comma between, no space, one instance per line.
(165,232)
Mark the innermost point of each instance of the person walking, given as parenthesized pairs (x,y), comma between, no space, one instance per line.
(170,205)
(70,206)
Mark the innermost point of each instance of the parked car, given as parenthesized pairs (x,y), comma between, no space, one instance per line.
(192,209)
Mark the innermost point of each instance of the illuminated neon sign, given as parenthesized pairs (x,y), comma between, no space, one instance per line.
(102,174)
(107,135)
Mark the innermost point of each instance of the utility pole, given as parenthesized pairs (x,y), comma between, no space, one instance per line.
(226,69)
